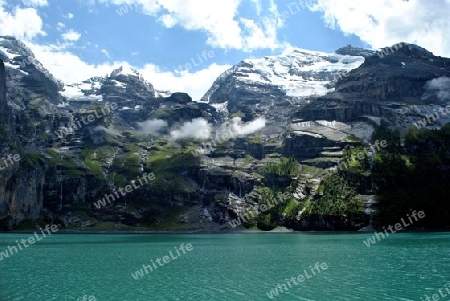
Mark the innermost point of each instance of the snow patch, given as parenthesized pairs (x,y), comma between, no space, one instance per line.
(298,72)
(96,85)
(12,66)
(160,93)
(307,133)
(7,53)
(125,70)
(119,84)
(73,92)
(331,124)
(221,107)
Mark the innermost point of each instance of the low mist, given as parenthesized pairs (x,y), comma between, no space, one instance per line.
(440,87)
(152,127)
(198,128)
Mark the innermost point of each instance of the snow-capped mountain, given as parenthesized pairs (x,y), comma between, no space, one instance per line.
(24,71)
(18,56)
(314,105)
(274,86)
(87,90)
(298,73)
(123,84)
(402,87)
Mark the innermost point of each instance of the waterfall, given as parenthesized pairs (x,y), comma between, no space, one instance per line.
(33,139)
(370,198)
(372,155)
(60,178)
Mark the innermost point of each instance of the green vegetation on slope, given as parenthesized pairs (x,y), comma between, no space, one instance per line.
(414,176)
(339,198)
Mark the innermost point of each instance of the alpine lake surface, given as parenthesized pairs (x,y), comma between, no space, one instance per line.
(229,266)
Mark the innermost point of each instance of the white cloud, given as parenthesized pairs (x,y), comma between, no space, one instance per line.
(196,84)
(106,53)
(439,87)
(258,6)
(23,23)
(249,128)
(235,127)
(152,126)
(60,26)
(261,37)
(69,16)
(383,23)
(168,21)
(56,60)
(198,128)
(71,35)
(218,19)
(35,3)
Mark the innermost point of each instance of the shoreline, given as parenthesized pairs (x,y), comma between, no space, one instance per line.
(243,231)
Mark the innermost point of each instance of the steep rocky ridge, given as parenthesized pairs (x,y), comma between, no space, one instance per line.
(393,87)
(21,181)
(315,106)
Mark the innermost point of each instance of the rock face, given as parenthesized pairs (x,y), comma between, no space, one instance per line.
(272,85)
(395,87)
(399,75)
(20,186)
(21,192)
(136,99)
(76,146)
(32,92)
(25,71)
(6,118)
(3,104)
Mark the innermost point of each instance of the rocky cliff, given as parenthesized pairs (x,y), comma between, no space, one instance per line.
(278,124)
(21,179)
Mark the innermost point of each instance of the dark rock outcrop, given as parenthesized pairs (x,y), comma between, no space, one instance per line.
(21,182)
(65,169)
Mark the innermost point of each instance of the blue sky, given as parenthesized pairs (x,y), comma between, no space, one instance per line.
(77,39)
(139,38)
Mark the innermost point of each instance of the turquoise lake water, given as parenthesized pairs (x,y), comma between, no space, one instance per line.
(404,266)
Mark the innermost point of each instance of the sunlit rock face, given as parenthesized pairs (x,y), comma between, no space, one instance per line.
(301,104)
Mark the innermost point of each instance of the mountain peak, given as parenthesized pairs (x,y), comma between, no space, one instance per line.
(297,73)
(125,70)
(13,47)
(355,51)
